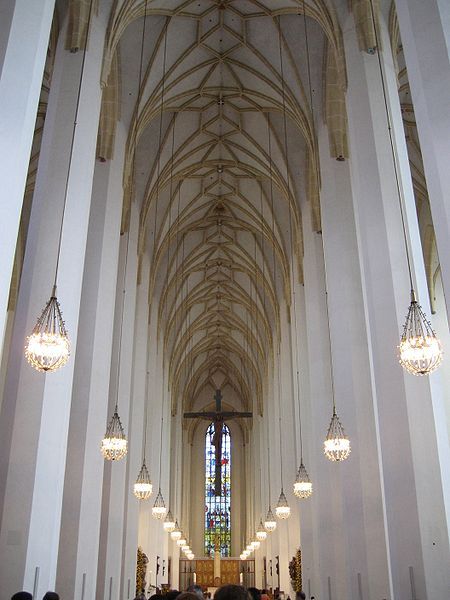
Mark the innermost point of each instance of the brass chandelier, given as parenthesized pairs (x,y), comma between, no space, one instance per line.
(420,350)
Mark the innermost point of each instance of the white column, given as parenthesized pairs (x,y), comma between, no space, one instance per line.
(416,526)
(79,538)
(24,34)
(136,431)
(36,408)
(115,484)
(325,507)
(425,33)
(364,539)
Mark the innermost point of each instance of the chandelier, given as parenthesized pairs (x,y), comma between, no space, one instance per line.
(176,533)
(261,533)
(48,346)
(336,445)
(243,556)
(169,523)
(159,508)
(420,350)
(282,509)
(255,544)
(270,523)
(181,541)
(114,445)
(302,485)
(190,555)
(143,487)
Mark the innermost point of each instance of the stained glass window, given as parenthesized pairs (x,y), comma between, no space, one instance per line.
(218,508)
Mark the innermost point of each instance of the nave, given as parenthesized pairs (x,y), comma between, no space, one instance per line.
(224,269)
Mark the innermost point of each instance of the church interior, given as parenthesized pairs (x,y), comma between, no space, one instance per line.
(224,267)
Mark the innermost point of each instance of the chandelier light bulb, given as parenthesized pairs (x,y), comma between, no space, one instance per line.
(336,445)
(270,523)
(282,509)
(159,508)
(114,445)
(243,556)
(181,542)
(261,533)
(143,487)
(420,350)
(302,485)
(169,523)
(185,548)
(190,556)
(48,347)
(176,533)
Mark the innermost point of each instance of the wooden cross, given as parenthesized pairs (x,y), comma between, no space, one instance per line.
(218,417)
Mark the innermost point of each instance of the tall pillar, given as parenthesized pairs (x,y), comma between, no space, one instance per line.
(325,506)
(415,519)
(36,407)
(425,33)
(79,538)
(137,424)
(364,540)
(24,34)
(115,484)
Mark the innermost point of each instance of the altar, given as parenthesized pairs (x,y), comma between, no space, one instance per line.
(228,573)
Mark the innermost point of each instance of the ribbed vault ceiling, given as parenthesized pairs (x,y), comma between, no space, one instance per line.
(219,196)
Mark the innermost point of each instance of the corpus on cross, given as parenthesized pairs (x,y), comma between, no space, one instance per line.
(218,417)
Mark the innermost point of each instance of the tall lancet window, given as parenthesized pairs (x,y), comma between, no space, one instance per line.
(218,493)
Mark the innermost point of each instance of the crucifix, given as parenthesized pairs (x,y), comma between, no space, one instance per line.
(218,417)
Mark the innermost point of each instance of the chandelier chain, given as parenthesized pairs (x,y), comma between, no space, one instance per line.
(391,141)
(72,143)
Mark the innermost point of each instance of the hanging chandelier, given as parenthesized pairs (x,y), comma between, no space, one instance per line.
(143,487)
(181,542)
(190,556)
(243,556)
(176,533)
(159,508)
(169,523)
(282,509)
(261,533)
(336,445)
(255,544)
(420,350)
(48,346)
(114,445)
(302,485)
(270,523)
(185,548)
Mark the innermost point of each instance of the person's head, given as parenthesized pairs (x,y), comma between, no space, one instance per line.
(189,596)
(301,596)
(232,592)
(172,595)
(51,596)
(22,596)
(254,593)
(197,590)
